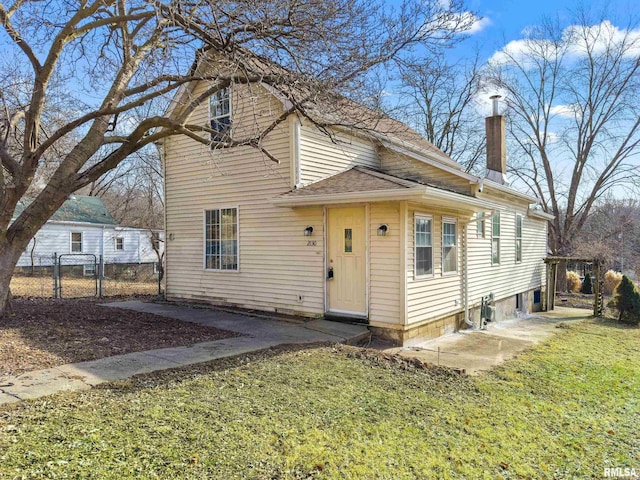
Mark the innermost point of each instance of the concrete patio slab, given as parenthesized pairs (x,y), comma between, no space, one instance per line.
(257,334)
(475,351)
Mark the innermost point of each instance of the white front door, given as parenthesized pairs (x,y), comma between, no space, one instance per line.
(347,261)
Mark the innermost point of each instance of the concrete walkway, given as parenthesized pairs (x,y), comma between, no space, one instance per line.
(258,334)
(475,351)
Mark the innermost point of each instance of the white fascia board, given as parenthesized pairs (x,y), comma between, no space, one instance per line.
(509,191)
(418,194)
(542,215)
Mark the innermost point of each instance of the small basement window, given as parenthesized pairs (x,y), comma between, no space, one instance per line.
(89,269)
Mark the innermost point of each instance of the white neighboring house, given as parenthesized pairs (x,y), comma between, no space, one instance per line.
(83,227)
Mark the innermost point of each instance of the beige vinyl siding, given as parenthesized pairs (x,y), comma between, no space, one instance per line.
(385,264)
(322,156)
(508,277)
(400,165)
(277,268)
(435,296)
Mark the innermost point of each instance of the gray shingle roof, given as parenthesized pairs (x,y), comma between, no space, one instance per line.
(78,208)
(356,179)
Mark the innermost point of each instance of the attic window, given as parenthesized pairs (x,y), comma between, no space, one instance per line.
(220,114)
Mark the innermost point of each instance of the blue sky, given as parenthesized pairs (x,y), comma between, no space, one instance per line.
(505,20)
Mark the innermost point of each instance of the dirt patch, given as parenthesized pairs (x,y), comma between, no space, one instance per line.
(44,333)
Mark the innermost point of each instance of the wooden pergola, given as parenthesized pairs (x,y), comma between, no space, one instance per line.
(552,280)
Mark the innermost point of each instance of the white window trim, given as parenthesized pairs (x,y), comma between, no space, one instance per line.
(498,237)
(71,241)
(211,117)
(84,269)
(455,222)
(115,244)
(423,216)
(204,239)
(519,216)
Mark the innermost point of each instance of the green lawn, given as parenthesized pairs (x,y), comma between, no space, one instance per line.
(567,409)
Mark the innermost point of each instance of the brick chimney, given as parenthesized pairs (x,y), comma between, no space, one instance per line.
(496,148)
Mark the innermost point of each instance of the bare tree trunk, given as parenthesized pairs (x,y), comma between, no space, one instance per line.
(9,255)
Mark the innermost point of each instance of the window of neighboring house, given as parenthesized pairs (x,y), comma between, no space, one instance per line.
(220,114)
(495,238)
(89,269)
(119,243)
(221,239)
(449,246)
(518,238)
(76,242)
(480,225)
(423,248)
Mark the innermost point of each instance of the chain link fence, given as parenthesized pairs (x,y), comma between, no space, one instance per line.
(85,275)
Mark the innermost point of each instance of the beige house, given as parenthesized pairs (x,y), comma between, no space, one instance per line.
(380,227)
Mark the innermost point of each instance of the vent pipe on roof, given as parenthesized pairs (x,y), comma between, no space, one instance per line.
(496,145)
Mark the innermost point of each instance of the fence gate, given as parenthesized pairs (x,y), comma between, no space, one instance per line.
(77,275)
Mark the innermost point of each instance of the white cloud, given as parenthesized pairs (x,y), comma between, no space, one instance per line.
(479,24)
(576,40)
(566,111)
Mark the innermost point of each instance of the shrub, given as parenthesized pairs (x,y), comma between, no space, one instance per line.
(628,302)
(587,285)
(573,282)
(611,281)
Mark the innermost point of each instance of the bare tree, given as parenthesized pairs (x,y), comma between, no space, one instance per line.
(442,106)
(573,111)
(106,59)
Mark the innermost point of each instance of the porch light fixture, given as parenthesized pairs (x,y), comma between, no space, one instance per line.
(308,231)
(382,230)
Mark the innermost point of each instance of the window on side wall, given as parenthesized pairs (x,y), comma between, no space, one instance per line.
(495,238)
(76,242)
(119,243)
(480,225)
(449,246)
(423,246)
(518,238)
(220,114)
(221,239)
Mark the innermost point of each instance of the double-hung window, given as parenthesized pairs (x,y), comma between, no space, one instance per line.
(518,238)
(119,243)
(220,114)
(76,242)
(221,239)
(495,238)
(423,247)
(449,246)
